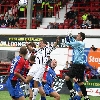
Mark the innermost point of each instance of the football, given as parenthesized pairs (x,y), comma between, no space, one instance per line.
(23,2)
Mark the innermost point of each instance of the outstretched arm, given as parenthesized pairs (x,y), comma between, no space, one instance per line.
(28,79)
(56,43)
(73,44)
(69,38)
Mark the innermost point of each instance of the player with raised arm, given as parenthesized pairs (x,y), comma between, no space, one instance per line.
(30,88)
(78,66)
(36,72)
(15,75)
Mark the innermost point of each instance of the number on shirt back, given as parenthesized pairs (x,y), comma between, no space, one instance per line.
(13,65)
(42,55)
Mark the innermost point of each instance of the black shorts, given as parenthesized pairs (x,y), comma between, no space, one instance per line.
(76,71)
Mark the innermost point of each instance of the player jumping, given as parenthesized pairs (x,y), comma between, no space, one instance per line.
(36,72)
(78,66)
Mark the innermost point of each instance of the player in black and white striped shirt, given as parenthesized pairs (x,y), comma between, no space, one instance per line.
(36,72)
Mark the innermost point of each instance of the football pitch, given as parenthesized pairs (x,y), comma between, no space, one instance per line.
(4,95)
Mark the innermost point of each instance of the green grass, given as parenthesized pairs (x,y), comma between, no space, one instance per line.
(4,95)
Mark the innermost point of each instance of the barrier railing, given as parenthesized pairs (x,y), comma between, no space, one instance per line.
(4,68)
(5,8)
(53,11)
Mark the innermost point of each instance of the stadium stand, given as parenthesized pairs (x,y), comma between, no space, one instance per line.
(81,15)
(61,14)
(4,68)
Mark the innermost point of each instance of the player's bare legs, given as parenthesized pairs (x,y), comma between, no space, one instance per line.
(21,98)
(13,99)
(42,93)
(55,95)
(31,94)
(35,89)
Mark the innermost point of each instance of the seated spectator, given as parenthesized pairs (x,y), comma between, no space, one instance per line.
(50,26)
(87,21)
(75,13)
(88,72)
(95,22)
(69,15)
(74,21)
(94,73)
(98,74)
(2,20)
(84,17)
(39,18)
(16,26)
(76,26)
(3,25)
(55,25)
(90,17)
(14,21)
(84,25)
(90,25)
(7,21)
(10,17)
(10,26)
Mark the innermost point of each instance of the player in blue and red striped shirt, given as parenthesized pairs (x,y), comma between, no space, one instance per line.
(16,75)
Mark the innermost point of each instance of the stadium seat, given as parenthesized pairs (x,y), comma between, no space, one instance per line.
(60,26)
(4,69)
(11,2)
(21,21)
(66,22)
(3,73)
(33,26)
(23,27)
(99,17)
(25,21)
(87,9)
(33,21)
(80,22)
(66,27)
(96,9)
(7,2)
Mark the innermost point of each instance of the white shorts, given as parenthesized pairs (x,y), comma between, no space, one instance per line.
(37,72)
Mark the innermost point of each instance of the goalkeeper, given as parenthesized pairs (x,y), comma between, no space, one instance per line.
(78,66)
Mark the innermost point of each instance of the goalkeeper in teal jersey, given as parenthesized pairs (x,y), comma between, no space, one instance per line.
(78,66)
